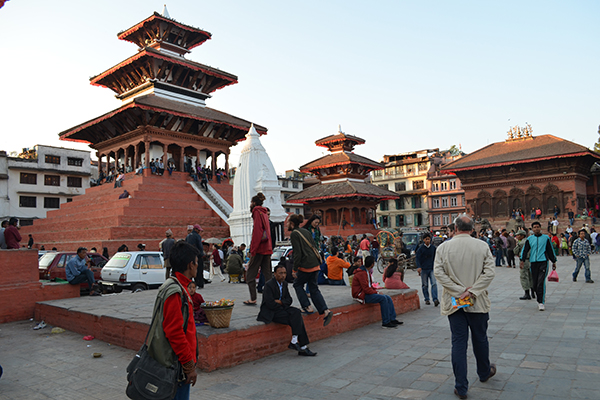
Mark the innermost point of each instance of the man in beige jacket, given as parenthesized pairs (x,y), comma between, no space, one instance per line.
(464,267)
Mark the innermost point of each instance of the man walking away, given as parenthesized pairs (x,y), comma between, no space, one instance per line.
(165,247)
(195,240)
(424,259)
(581,252)
(538,250)
(465,269)
(525,268)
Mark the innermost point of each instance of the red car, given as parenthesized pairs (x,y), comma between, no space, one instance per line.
(52,265)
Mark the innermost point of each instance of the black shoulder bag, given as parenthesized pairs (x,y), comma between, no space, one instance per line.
(147,379)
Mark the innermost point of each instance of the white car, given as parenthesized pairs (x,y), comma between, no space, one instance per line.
(135,270)
(278,252)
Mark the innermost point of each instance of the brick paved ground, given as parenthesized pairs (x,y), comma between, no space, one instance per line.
(540,355)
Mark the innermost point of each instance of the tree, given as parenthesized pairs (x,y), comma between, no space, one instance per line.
(597,144)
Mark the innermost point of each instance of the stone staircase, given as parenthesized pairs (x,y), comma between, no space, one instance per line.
(214,200)
(100,219)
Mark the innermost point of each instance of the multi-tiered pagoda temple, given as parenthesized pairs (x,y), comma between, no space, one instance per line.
(163,116)
(164,113)
(343,198)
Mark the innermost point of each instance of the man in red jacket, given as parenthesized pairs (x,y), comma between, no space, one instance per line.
(260,247)
(364,292)
(12,235)
(184,264)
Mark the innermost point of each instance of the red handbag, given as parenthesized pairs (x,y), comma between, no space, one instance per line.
(553,276)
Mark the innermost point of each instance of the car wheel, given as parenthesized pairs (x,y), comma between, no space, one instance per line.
(118,289)
(138,288)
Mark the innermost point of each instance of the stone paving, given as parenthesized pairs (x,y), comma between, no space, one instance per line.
(540,355)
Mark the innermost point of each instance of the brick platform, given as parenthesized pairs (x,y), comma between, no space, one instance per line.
(99,219)
(20,287)
(124,319)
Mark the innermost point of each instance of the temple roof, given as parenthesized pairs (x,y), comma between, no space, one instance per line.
(342,158)
(519,151)
(140,61)
(340,141)
(342,190)
(131,115)
(149,29)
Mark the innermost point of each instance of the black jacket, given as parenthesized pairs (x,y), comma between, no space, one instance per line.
(268,307)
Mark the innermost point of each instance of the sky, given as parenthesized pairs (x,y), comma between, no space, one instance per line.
(403,75)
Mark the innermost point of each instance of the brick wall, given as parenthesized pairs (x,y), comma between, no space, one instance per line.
(20,287)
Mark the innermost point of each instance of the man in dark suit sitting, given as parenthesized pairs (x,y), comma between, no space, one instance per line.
(277,307)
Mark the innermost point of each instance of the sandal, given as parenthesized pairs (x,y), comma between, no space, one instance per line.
(250,303)
(306,311)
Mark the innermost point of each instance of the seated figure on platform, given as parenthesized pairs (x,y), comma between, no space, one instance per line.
(335,268)
(235,266)
(77,271)
(197,300)
(364,292)
(277,307)
(393,276)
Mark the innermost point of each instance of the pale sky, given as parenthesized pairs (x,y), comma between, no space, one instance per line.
(404,75)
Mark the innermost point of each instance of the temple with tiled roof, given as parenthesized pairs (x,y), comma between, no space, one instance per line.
(526,172)
(162,116)
(343,198)
(163,94)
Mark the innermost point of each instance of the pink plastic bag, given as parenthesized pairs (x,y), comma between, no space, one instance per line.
(553,276)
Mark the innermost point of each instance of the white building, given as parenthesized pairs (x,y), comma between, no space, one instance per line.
(291,183)
(41,179)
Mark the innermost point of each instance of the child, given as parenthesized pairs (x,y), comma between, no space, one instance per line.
(197,299)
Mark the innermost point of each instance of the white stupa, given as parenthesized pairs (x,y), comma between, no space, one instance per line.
(255,173)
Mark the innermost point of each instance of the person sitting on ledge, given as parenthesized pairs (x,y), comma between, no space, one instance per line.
(77,271)
(335,268)
(277,307)
(364,292)
(392,278)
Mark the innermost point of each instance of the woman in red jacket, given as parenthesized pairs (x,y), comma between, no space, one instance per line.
(260,246)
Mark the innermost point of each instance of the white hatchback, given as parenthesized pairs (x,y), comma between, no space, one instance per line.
(135,270)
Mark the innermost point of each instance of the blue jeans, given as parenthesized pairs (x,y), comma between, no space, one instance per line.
(336,282)
(499,258)
(183,393)
(315,294)
(388,312)
(460,324)
(426,277)
(375,253)
(85,276)
(586,262)
(571,221)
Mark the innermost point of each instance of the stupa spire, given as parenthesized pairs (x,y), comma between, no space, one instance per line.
(165,12)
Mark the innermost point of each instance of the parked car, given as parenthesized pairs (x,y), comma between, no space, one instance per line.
(278,252)
(135,270)
(52,265)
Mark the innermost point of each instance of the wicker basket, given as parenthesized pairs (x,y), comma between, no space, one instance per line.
(218,317)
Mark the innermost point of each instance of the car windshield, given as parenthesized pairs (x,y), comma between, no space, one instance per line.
(410,239)
(119,260)
(47,259)
(278,253)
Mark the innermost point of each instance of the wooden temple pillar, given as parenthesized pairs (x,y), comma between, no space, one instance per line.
(197,159)
(135,156)
(100,156)
(147,171)
(213,163)
(165,155)
(181,158)
(227,164)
